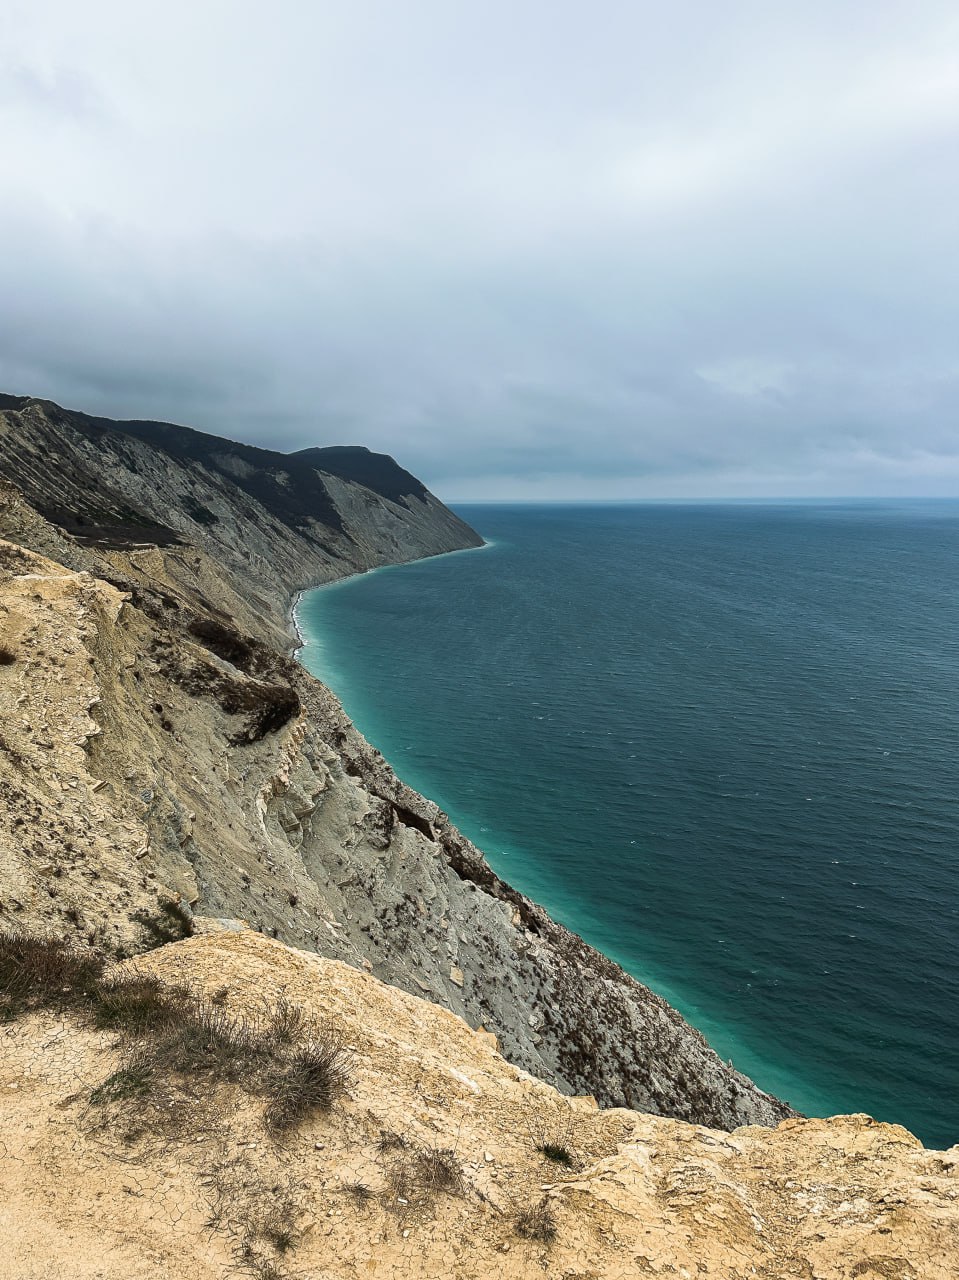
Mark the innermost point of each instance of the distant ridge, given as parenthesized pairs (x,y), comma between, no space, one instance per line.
(297,519)
(290,486)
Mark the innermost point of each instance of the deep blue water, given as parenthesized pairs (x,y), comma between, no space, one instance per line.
(718,741)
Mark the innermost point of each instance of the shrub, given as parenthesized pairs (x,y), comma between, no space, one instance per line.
(7,656)
(538,1222)
(171,923)
(309,1080)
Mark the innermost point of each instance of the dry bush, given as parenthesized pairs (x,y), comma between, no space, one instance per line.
(171,922)
(538,1222)
(210,1040)
(309,1080)
(440,1171)
(287,1023)
(418,1175)
(7,656)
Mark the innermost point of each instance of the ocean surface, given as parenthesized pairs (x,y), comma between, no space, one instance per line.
(720,742)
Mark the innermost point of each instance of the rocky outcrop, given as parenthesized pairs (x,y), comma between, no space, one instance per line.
(163,757)
(439,1158)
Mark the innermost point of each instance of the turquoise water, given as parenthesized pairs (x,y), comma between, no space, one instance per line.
(720,742)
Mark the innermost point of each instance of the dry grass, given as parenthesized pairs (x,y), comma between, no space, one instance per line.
(39,972)
(416,1176)
(136,1004)
(261,1212)
(130,1081)
(389,1140)
(172,1040)
(309,1080)
(538,1223)
(359,1191)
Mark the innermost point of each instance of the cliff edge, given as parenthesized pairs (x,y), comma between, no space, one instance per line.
(138,1153)
(160,748)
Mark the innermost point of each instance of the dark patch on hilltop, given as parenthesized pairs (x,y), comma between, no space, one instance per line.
(289,489)
(86,474)
(377,471)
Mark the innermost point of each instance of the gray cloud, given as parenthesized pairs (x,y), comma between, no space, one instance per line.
(536,249)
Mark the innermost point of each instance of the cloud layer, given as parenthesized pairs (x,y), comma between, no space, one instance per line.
(537,249)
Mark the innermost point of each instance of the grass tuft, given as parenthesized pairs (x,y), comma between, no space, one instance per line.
(538,1222)
(556,1152)
(440,1171)
(390,1141)
(418,1176)
(310,1080)
(132,1081)
(138,1003)
(359,1191)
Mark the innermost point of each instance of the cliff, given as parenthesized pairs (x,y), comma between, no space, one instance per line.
(162,749)
(264,524)
(168,770)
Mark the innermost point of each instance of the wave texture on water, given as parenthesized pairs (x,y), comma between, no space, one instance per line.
(717,741)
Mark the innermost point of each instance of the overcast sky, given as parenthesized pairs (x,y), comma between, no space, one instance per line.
(543,248)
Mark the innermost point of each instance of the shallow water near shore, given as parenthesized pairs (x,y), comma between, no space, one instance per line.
(717,741)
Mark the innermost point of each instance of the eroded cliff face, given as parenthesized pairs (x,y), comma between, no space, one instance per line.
(438,1158)
(162,759)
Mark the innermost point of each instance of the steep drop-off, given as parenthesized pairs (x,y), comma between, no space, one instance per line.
(163,757)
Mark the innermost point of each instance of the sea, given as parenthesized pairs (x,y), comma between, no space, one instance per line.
(721,743)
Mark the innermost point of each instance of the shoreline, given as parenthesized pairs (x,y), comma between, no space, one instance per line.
(291,612)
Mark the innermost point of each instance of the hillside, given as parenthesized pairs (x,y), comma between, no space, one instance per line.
(178,794)
(272,523)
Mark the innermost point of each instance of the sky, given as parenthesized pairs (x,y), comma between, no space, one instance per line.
(543,249)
